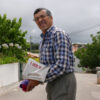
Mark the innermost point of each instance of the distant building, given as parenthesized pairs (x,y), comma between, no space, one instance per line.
(76,46)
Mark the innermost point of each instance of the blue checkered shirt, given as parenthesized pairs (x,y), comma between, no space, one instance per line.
(56,52)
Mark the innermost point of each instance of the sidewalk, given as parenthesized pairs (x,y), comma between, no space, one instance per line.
(87,89)
(8,88)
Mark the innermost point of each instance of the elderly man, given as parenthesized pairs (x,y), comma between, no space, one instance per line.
(56,52)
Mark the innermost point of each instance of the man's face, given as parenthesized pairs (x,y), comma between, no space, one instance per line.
(43,21)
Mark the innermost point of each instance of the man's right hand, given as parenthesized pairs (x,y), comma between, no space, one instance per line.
(32,84)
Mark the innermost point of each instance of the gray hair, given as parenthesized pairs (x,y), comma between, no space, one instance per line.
(48,12)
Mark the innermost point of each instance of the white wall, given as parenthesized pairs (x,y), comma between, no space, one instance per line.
(8,74)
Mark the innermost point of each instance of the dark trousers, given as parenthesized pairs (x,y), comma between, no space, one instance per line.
(62,88)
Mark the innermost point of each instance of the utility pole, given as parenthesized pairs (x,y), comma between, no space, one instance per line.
(30,43)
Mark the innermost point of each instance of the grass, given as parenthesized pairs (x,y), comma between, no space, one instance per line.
(35,51)
(6,60)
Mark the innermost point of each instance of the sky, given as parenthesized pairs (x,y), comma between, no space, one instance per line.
(79,18)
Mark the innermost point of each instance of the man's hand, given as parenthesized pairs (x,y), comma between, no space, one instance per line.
(32,55)
(32,84)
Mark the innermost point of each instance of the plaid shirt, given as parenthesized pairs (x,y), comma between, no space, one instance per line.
(56,52)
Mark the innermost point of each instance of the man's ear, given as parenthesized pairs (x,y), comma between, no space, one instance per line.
(51,17)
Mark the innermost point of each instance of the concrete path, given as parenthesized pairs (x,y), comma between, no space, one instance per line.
(87,89)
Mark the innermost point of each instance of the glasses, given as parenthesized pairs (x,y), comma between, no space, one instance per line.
(42,17)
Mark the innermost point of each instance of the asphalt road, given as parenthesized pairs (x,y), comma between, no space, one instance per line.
(87,89)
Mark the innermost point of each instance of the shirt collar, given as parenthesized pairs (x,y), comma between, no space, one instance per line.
(48,32)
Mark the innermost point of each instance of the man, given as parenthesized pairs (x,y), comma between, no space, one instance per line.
(56,52)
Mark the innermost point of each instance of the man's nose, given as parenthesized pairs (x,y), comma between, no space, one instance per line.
(40,19)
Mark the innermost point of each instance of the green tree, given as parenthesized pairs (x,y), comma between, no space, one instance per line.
(35,46)
(10,32)
(90,55)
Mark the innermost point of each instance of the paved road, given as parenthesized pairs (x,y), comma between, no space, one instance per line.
(87,89)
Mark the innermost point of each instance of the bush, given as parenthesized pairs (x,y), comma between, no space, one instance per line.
(13,45)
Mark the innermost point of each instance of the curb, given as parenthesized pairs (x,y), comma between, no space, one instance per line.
(8,88)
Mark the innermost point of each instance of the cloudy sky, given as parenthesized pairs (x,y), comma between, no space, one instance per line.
(79,18)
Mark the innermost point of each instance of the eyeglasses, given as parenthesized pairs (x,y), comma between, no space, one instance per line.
(42,17)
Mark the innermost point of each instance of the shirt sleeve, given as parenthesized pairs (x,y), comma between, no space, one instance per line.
(61,46)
